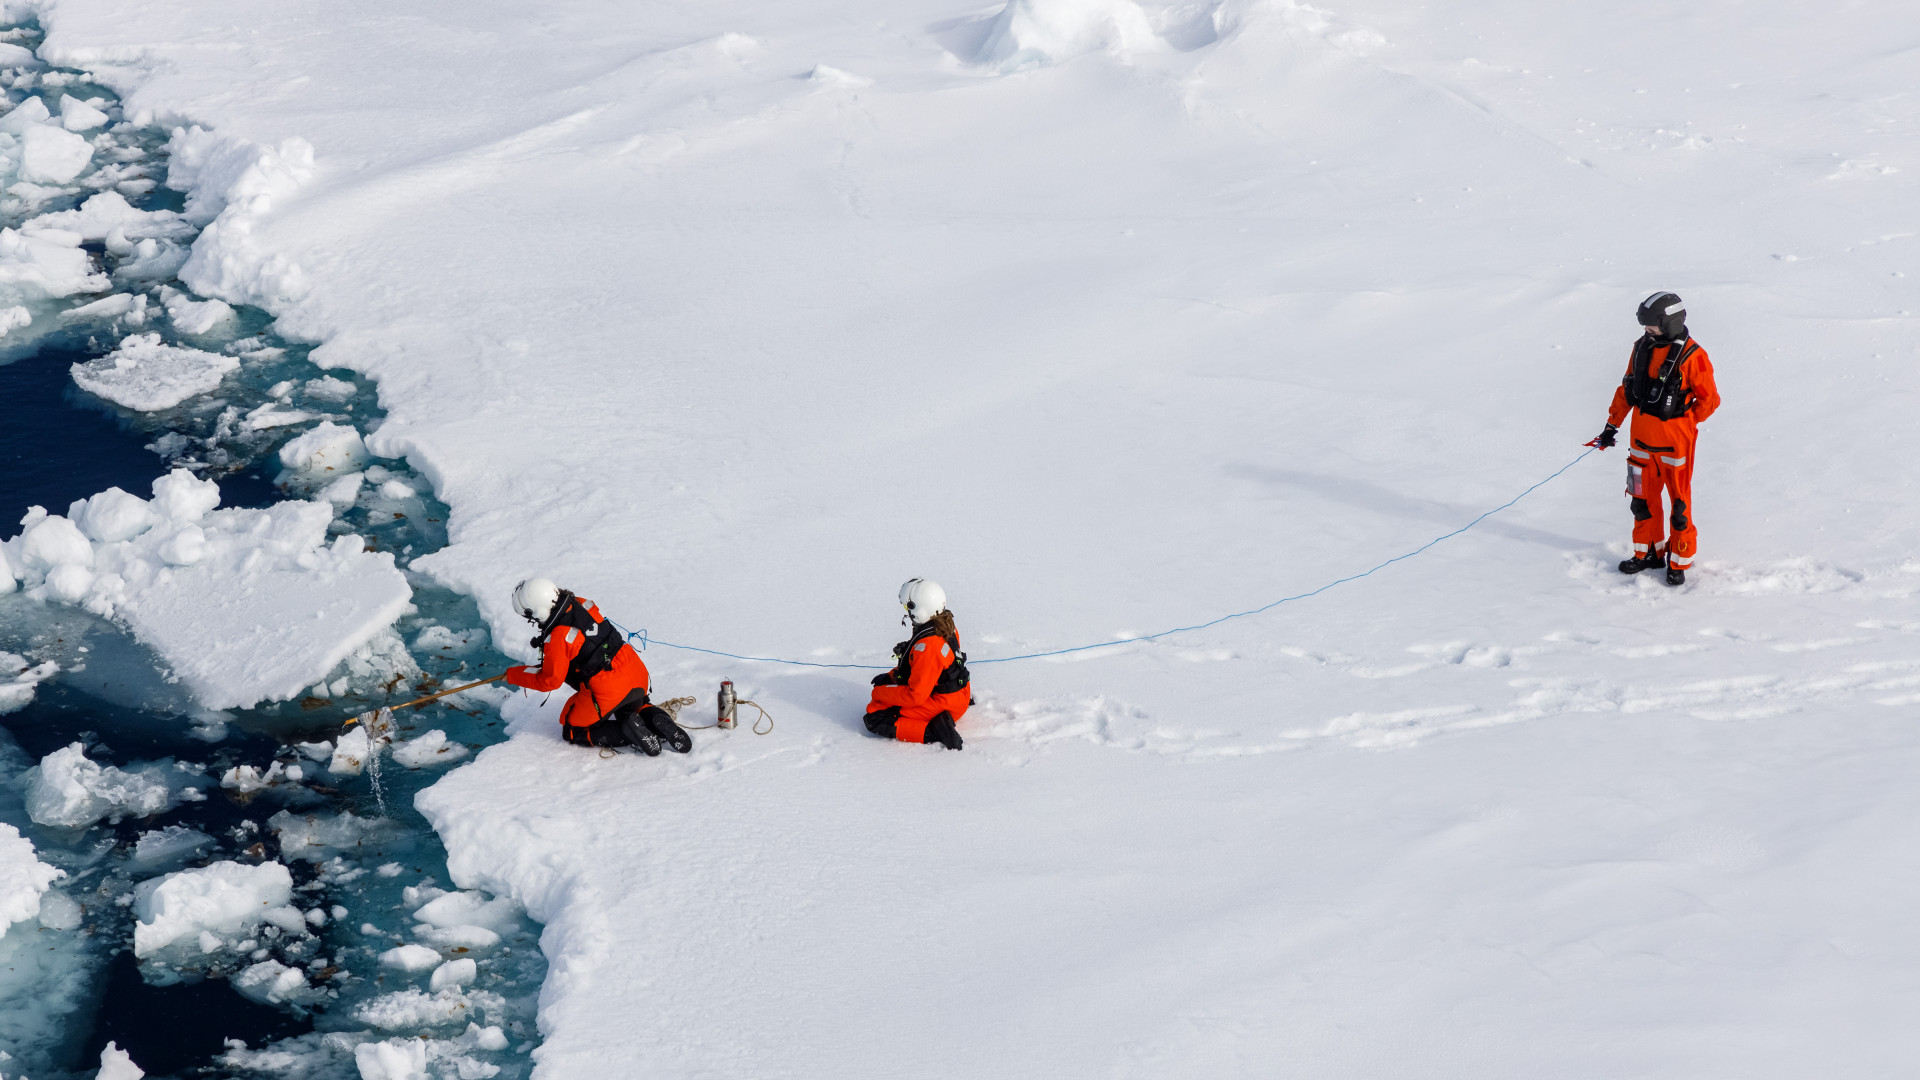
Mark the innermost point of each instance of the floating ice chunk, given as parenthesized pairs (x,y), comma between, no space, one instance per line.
(173,844)
(24,879)
(272,415)
(13,318)
(407,1010)
(223,898)
(128,305)
(411,958)
(395,489)
(1030,32)
(315,751)
(327,451)
(7,579)
(58,911)
(146,376)
(270,982)
(328,388)
(53,541)
(451,642)
(18,56)
(77,115)
(429,749)
(452,975)
(24,115)
(194,317)
(50,155)
(18,679)
(287,917)
(319,837)
(248,779)
(108,216)
(116,1064)
(115,515)
(49,262)
(152,260)
(350,753)
(345,491)
(182,496)
(69,791)
(393,1059)
(470,909)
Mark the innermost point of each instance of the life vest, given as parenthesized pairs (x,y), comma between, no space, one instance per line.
(952,680)
(596,652)
(1663,395)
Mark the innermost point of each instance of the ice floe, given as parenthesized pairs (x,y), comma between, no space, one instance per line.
(69,791)
(145,375)
(244,605)
(24,879)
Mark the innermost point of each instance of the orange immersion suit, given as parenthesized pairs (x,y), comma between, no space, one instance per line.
(931,678)
(571,653)
(1669,401)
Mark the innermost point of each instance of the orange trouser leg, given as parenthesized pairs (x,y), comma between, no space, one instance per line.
(1678,480)
(1643,489)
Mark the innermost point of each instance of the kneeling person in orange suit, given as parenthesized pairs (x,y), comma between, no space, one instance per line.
(1669,387)
(919,700)
(581,649)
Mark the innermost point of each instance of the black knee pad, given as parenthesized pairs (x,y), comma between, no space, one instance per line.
(1679,514)
(1640,511)
(882,721)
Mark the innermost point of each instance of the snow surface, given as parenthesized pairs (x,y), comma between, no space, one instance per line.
(244,605)
(1115,317)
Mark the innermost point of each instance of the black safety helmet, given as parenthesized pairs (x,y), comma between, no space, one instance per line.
(1665,311)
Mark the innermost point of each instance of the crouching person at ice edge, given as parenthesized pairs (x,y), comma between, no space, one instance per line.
(919,700)
(580,648)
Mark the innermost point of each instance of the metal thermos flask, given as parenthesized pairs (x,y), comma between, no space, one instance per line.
(729,703)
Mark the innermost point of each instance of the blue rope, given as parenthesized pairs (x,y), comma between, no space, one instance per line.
(645,640)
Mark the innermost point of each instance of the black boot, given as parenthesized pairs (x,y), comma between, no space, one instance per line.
(638,736)
(670,733)
(1652,560)
(940,730)
(882,722)
(1676,576)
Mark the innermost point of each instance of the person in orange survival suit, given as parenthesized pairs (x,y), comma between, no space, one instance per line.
(1669,386)
(580,648)
(928,689)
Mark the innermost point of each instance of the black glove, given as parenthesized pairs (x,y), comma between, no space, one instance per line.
(883,678)
(1605,438)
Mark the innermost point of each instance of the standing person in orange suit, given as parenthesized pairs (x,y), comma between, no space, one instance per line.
(927,690)
(1669,386)
(581,649)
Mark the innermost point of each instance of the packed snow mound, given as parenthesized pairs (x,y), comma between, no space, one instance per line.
(24,879)
(232,183)
(48,264)
(70,791)
(244,605)
(1028,32)
(146,376)
(222,899)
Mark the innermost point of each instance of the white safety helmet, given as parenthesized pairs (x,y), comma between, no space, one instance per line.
(923,599)
(533,599)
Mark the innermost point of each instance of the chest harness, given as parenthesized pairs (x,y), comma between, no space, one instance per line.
(1663,395)
(596,653)
(952,680)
